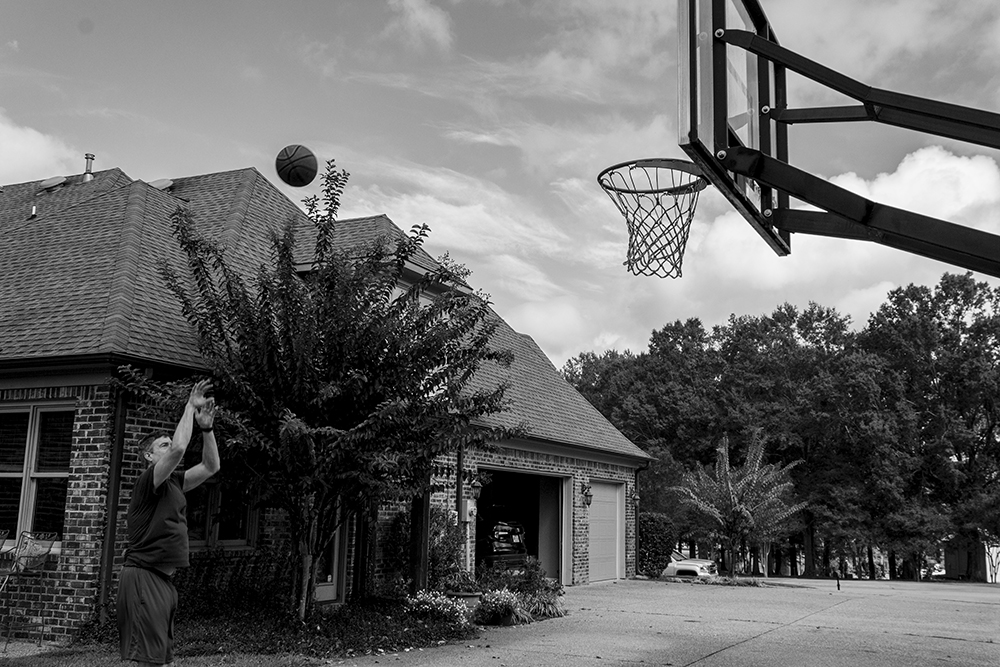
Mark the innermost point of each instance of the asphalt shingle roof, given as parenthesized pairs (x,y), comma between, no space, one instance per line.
(80,277)
(544,402)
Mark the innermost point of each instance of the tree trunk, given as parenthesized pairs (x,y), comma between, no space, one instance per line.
(776,551)
(765,555)
(893,574)
(872,574)
(305,575)
(826,559)
(793,561)
(363,554)
(420,514)
(809,544)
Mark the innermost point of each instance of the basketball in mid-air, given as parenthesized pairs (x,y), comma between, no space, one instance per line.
(296,165)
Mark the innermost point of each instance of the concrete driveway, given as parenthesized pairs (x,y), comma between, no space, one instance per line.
(882,624)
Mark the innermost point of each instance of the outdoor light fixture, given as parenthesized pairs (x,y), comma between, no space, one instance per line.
(635,498)
(588,494)
(476,488)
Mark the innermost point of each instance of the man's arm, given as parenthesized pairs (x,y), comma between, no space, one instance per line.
(210,463)
(166,465)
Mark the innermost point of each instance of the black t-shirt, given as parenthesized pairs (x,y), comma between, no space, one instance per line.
(157,522)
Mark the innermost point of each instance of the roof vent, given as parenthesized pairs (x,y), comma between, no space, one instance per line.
(162,184)
(88,173)
(51,183)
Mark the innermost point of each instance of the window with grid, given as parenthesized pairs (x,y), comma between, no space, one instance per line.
(35,446)
(220,512)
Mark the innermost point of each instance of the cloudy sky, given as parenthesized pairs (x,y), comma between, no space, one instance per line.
(490,120)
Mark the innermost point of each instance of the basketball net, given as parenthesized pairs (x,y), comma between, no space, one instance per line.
(657,198)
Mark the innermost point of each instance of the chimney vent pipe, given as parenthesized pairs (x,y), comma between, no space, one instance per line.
(88,174)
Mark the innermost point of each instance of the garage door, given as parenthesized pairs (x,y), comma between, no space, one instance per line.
(605,529)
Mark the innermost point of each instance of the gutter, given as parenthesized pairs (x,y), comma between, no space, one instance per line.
(111,507)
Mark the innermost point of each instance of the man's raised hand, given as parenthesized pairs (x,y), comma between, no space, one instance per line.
(205,417)
(197,399)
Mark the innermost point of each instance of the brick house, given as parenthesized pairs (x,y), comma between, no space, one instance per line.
(81,296)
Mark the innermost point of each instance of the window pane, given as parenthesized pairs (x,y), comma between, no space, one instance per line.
(233,511)
(13,435)
(55,440)
(50,505)
(197,512)
(10,502)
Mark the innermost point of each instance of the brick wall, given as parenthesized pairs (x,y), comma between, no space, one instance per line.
(66,592)
(577,469)
(580,470)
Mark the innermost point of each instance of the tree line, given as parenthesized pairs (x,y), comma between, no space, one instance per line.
(890,430)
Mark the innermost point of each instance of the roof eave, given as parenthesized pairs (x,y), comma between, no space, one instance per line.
(550,443)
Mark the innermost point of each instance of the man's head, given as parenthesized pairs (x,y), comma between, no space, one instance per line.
(154,446)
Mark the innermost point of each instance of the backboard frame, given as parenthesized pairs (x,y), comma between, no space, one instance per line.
(733,124)
(722,92)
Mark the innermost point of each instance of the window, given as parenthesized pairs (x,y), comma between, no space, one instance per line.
(220,512)
(35,446)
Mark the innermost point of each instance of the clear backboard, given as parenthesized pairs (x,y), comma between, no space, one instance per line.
(723,92)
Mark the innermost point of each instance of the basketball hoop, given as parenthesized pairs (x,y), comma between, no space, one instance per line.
(657,196)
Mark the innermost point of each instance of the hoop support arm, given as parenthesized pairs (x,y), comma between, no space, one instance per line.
(852,216)
(907,111)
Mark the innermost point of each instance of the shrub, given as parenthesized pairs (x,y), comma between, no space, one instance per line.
(539,594)
(444,554)
(459,581)
(438,607)
(216,581)
(502,606)
(527,579)
(657,539)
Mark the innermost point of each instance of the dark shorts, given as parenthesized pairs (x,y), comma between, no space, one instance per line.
(147,601)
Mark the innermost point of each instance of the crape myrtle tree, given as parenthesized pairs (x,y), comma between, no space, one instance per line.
(341,385)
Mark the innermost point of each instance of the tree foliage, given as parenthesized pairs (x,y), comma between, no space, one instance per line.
(749,504)
(894,425)
(342,384)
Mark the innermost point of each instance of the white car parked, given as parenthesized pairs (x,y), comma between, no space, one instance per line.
(682,566)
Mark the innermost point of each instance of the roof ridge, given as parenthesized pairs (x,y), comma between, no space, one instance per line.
(98,192)
(239,205)
(121,297)
(68,177)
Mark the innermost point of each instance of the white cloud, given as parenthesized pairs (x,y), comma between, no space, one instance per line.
(319,57)
(13,45)
(732,271)
(419,23)
(466,213)
(27,154)
(891,43)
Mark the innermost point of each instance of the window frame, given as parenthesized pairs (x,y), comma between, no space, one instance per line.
(214,498)
(28,475)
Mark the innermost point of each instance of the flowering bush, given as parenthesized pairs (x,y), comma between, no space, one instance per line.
(502,606)
(538,594)
(436,606)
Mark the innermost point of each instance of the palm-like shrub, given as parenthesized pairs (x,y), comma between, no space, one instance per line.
(750,503)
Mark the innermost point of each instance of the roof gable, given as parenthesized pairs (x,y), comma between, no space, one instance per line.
(81,277)
(542,401)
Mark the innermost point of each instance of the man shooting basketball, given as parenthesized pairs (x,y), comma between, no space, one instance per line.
(157,533)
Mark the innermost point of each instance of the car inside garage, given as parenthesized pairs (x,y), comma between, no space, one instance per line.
(519,507)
